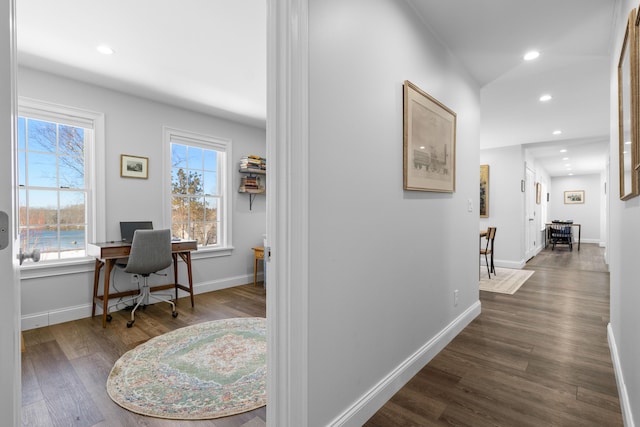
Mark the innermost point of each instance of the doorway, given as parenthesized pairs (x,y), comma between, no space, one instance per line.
(531,220)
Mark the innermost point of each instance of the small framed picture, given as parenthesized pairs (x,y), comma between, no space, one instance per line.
(134,166)
(573,197)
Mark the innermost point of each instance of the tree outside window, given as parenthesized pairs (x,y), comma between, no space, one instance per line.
(195,193)
(52,188)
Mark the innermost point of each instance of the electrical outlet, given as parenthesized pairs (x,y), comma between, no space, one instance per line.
(455,298)
(134,278)
(470,205)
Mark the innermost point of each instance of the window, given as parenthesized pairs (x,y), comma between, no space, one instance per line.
(199,192)
(57,179)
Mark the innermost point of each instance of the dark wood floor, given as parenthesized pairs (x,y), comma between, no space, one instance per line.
(65,366)
(536,358)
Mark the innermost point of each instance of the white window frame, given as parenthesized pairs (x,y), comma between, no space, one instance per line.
(223,145)
(94,176)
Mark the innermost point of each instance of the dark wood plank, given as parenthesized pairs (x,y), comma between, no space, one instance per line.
(538,357)
(66,398)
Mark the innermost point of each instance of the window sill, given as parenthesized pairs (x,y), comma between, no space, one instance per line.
(204,252)
(33,270)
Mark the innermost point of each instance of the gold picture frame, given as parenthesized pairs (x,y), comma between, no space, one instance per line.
(627,111)
(134,166)
(538,193)
(484,191)
(573,197)
(429,142)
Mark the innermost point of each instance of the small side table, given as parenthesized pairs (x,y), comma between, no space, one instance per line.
(258,256)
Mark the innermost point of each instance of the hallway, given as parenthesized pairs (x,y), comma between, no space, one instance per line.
(538,357)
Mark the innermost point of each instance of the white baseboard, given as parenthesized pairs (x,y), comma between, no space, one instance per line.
(510,264)
(625,405)
(505,264)
(369,403)
(66,314)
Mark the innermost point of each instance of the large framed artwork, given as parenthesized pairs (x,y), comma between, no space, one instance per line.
(484,191)
(628,111)
(429,142)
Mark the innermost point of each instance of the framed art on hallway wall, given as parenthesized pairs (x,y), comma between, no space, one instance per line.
(573,197)
(484,191)
(628,111)
(429,161)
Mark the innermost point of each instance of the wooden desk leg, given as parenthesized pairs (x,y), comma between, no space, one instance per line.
(105,295)
(186,257)
(175,272)
(96,279)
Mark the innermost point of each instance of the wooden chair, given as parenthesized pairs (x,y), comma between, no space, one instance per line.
(488,251)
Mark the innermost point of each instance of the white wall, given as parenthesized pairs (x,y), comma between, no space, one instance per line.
(506,204)
(134,126)
(384,263)
(587,214)
(623,248)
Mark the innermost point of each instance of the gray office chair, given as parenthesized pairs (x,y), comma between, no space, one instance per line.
(150,253)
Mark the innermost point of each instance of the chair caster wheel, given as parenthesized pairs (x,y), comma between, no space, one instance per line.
(109,318)
(130,323)
(174,314)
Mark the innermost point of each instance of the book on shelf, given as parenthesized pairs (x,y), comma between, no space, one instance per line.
(251,184)
(253,163)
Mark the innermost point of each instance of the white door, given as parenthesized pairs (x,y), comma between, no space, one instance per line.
(10,366)
(530,220)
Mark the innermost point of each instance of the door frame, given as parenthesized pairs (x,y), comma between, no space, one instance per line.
(10,347)
(287,212)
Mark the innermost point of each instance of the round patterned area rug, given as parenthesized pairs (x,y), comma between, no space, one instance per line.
(203,371)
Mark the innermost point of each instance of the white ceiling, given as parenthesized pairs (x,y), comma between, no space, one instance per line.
(573,37)
(210,56)
(205,55)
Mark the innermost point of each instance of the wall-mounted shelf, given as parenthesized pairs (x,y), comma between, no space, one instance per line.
(254,170)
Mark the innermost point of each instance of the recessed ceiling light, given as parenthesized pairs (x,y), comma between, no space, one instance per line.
(533,54)
(564,150)
(627,143)
(105,50)
(422,147)
(570,174)
(546,97)
(565,158)
(568,165)
(557,132)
